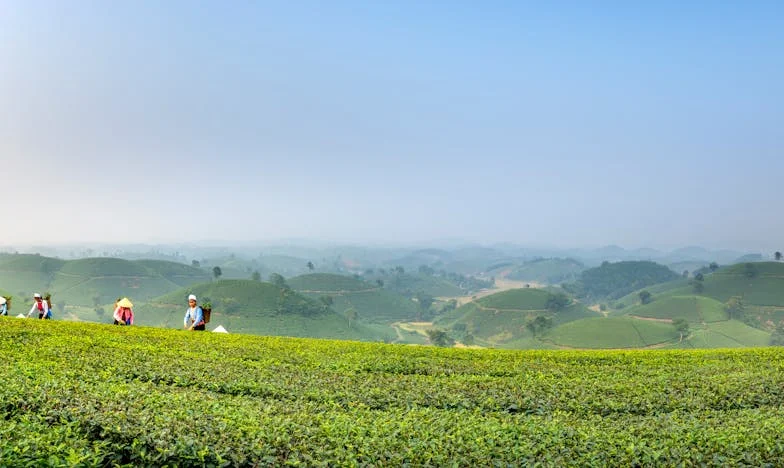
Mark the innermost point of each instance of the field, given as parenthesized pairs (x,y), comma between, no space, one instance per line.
(690,308)
(617,332)
(98,395)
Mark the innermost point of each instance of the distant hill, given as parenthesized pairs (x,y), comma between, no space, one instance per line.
(547,270)
(370,301)
(691,308)
(615,280)
(504,319)
(247,306)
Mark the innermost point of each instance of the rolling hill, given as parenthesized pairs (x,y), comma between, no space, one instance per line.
(546,270)
(612,333)
(504,319)
(255,307)
(371,302)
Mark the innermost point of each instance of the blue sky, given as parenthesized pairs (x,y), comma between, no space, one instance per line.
(565,123)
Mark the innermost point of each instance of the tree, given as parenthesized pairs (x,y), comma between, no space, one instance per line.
(195,263)
(777,337)
(698,286)
(351,314)
(425,301)
(682,326)
(400,270)
(778,256)
(685,273)
(468,339)
(713,266)
(217,272)
(735,307)
(557,301)
(256,276)
(380,283)
(539,324)
(699,277)
(750,270)
(310,266)
(278,280)
(645,297)
(426,270)
(439,338)
(327,300)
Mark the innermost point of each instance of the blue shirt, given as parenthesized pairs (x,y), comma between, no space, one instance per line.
(195,315)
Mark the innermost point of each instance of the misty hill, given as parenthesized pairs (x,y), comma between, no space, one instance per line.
(543,270)
(512,318)
(615,280)
(93,281)
(246,306)
(371,302)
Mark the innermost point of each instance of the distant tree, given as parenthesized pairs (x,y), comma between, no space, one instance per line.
(351,314)
(380,283)
(327,300)
(217,272)
(439,338)
(369,271)
(699,277)
(400,270)
(777,337)
(698,286)
(735,307)
(195,263)
(713,266)
(256,276)
(278,280)
(425,301)
(750,270)
(645,297)
(682,326)
(539,324)
(426,270)
(468,339)
(603,307)
(310,266)
(382,271)
(557,301)
(777,255)
(685,273)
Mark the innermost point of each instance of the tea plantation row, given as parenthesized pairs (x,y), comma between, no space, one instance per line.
(88,394)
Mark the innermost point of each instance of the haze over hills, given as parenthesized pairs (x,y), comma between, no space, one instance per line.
(471,295)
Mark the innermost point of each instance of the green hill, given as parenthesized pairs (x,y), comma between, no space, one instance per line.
(177,273)
(615,280)
(505,319)
(612,333)
(728,334)
(547,270)
(247,306)
(371,303)
(329,283)
(690,308)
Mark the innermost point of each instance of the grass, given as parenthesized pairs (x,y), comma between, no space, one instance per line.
(327,282)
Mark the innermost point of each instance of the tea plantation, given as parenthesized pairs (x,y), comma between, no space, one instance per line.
(89,394)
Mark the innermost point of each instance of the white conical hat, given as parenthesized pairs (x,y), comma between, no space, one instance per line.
(21,316)
(2,300)
(220,329)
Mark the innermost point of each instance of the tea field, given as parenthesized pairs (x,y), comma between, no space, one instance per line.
(98,395)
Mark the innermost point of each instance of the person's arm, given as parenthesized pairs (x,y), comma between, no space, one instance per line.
(116,314)
(35,306)
(187,315)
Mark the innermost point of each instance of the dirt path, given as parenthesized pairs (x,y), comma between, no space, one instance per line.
(651,319)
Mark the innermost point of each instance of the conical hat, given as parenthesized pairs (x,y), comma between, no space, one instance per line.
(124,302)
(2,300)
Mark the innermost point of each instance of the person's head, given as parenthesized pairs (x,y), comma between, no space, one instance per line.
(192,300)
(37,297)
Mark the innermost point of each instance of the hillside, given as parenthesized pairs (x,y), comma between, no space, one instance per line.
(547,270)
(615,280)
(691,308)
(371,302)
(124,396)
(506,319)
(246,306)
(612,333)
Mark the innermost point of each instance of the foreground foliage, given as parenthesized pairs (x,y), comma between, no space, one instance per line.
(100,395)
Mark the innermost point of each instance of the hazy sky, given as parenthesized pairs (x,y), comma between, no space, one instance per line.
(563,123)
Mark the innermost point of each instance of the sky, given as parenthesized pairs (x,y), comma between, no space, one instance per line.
(560,123)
